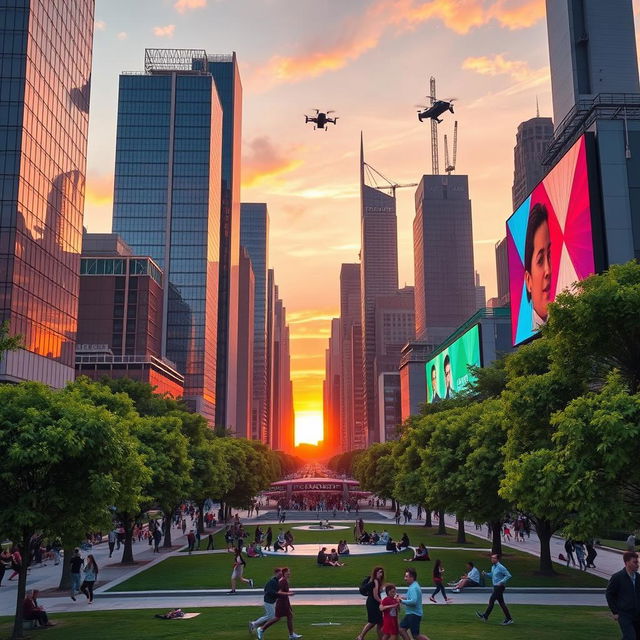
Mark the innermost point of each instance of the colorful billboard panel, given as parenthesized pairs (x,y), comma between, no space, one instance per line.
(549,242)
(448,373)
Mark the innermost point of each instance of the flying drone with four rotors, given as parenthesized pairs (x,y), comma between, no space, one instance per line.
(321,119)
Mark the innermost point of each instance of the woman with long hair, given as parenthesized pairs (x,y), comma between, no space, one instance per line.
(90,577)
(374,615)
(238,569)
(438,570)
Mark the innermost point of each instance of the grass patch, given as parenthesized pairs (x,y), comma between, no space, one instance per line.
(417,534)
(213,571)
(614,544)
(229,623)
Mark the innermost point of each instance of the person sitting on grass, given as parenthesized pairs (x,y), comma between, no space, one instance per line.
(365,538)
(31,610)
(280,542)
(404,542)
(254,550)
(469,579)
(334,560)
(384,537)
(343,548)
(420,554)
(322,559)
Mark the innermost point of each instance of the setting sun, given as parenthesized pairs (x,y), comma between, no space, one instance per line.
(309,427)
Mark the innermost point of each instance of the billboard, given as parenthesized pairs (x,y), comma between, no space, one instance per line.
(550,242)
(448,373)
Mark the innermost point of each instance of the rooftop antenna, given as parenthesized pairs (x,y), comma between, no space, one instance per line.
(537,108)
(450,167)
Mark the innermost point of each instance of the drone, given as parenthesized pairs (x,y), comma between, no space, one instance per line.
(437,108)
(321,119)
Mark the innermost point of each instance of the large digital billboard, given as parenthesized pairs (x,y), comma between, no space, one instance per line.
(550,242)
(448,373)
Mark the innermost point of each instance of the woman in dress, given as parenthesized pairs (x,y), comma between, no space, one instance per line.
(374,615)
(238,570)
(90,577)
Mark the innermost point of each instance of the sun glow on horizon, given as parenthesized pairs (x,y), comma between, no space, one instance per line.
(309,427)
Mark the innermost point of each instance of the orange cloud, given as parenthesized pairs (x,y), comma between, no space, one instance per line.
(264,162)
(99,189)
(365,32)
(182,6)
(498,65)
(164,32)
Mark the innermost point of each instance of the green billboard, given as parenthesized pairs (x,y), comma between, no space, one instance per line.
(448,372)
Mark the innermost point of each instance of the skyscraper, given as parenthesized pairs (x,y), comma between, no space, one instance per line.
(378,276)
(44,117)
(443,256)
(254,237)
(351,386)
(167,202)
(226,74)
(246,315)
(532,139)
(332,389)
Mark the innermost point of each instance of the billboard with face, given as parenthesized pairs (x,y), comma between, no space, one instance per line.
(448,372)
(550,242)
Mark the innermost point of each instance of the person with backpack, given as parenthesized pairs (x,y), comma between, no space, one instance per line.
(371,587)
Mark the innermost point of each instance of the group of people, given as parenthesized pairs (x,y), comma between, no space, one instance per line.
(585,553)
(332,559)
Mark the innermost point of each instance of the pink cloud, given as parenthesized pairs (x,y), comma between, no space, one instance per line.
(182,6)
(164,32)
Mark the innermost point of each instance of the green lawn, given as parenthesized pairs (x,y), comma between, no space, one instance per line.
(213,570)
(416,534)
(229,623)
(614,544)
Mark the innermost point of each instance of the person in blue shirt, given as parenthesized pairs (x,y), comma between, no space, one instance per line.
(499,576)
(412,602)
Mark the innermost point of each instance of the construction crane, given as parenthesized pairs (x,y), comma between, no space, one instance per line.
(371,174)
(450,168)
(435,169)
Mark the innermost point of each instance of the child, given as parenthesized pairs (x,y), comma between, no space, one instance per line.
(389,607)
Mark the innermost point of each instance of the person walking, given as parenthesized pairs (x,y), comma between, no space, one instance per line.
(569,548)
(112,538)
(238,570)
(16,563)
(389,607)
(271,589)
(283,608)
(5,563)
(268,539)
(157,537)
(438,571)
(580,553)
(412,602)
(623,597)
(76,564)
(499,576)
(374,615)
(591,554)
(191,541)
(90,577)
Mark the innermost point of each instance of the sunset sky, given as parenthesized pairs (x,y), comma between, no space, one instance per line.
(370,60)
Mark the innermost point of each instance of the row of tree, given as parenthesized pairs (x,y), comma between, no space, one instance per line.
(552,431)
(78,459)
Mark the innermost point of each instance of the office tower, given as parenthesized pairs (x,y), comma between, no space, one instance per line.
(532,139)
(595,85)
(502,271)
(282,418)
(167,203)
(389,405)
(378,277)
(44,117)
(413,380)
(246,315)
(592,50)
(120,316)
(443,256)
(395,326)
(351,387)
(270,329)
(360,436)
(332,389)
(481,293)
(226,75)
(254,237)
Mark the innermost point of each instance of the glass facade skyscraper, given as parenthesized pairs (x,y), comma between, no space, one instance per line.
(167,202)
(44,117)
(254,237)
(226,75)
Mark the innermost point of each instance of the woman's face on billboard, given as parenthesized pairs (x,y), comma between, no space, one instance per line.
(538,278)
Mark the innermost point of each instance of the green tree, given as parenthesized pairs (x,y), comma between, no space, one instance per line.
(375,470)
(61,469)
(7,342)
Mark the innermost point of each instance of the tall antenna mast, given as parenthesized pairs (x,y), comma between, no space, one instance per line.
(450,167)
(435,169)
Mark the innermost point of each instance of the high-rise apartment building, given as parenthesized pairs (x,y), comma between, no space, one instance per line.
(332,389)
(502,271)
(443,256)
(254,237)
(167,203)
(481,293)
(351,410)
(246,315)
(44,118)
(532,139)
(378,277)
(226,75)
